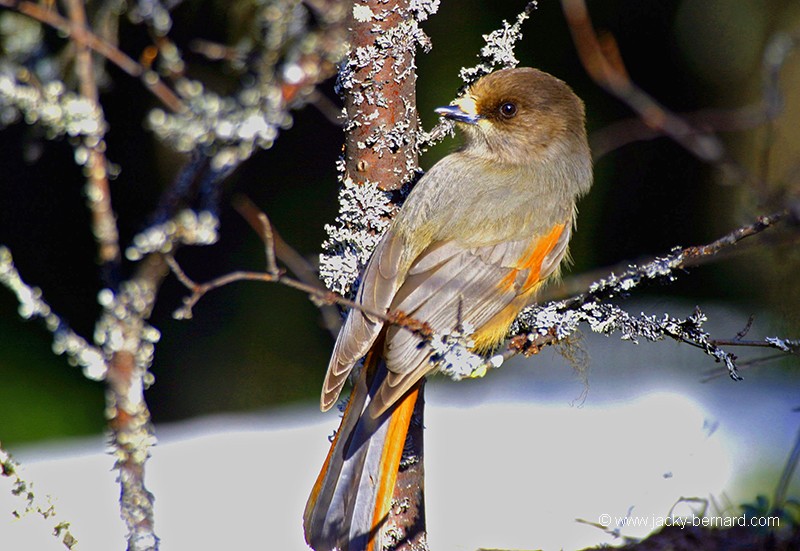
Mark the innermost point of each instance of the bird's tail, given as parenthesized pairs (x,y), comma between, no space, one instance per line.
(352,496)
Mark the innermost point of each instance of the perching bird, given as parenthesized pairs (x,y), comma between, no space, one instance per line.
(477,236)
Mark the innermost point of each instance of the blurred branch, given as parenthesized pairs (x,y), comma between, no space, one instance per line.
(84,37)
(103,220)
(65,340)
(775,55)
(619,134)
(123,353)
(603,63)
(129,341)
(220,132)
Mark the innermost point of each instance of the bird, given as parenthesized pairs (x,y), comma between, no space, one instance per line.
(477,236)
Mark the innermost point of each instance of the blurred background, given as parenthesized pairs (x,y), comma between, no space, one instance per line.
(252,346)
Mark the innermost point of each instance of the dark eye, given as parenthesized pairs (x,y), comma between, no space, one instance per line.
(508,109)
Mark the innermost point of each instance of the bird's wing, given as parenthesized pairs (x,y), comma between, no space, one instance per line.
(449,284)
(379,284)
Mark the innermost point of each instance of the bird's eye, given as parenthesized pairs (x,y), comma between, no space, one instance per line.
(508,109)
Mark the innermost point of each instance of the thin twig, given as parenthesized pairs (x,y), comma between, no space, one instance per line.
(269,245)
(200,289)
(787,474)
(746,329)
(701,254)
(742,365)
(297,264)
(103,220)
(739,342)
(689,257)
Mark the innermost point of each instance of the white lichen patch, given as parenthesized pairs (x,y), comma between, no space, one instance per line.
(187,227)
(453,356)
(498,52)
(364,214)
(65,341)
(362,13)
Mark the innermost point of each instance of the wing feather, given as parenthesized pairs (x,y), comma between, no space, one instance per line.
(494,278)
(379,284)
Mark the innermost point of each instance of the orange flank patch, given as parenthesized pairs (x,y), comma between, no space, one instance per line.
(532,261)
(494,331)
(390,458)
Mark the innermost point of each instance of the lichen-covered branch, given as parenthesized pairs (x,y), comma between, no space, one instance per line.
(378,82)
(288,58)
(128,342)
(295,45)
(104,224)
(498,52)
(121,356)
(65,341)
(83,36)
(544,324)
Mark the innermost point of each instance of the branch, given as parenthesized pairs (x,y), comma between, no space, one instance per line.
(65,340)
(104,226)
(293,260)
(123,354)
(83,36)
(545,324)
(199,290)
(129,343)
(604,65)
(624,132)
(496,53)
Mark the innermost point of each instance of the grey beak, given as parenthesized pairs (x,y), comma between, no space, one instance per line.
(454,112)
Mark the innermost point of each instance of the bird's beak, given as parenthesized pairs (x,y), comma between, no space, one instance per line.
(457,113)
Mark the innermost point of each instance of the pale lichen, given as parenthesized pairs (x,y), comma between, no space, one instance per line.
(24,489)
(57,110)
(451,352)
(498,52)
(186,228)
(364,213)
(65,341)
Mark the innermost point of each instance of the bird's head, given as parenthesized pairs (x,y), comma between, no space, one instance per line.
(520,116)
